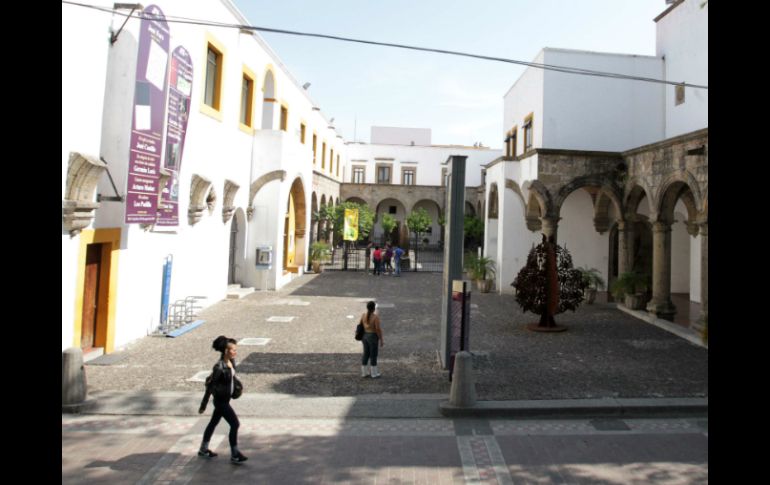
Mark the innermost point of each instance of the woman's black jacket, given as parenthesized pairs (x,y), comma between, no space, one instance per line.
(218,383)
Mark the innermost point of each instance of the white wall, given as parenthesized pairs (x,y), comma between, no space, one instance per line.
(682,38)
(83,51)
(598,113)
(576,233)
(391,135)
(429,160)
(695,268)
(680,256)
(523,98)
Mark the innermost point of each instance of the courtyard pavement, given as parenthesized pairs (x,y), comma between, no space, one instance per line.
(605,353)
(308,417)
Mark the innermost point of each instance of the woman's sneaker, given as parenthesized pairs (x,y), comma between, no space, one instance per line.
(238,459)
(206,453)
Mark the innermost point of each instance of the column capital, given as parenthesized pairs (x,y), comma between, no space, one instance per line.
(704,228)
(661,226)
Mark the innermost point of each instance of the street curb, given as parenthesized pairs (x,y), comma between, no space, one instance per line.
(685,333)
(583,408)
(421,406)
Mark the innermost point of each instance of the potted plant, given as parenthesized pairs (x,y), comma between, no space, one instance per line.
(479,268)
(630,287)
(318,251)
(594,281)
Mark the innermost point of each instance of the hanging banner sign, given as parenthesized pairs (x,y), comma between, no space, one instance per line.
(180,88)
(350,229)
(148,118)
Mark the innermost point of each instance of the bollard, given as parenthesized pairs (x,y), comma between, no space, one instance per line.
(73,380)
(462,394)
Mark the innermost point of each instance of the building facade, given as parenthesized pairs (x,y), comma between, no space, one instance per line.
(616,170)
(255,147)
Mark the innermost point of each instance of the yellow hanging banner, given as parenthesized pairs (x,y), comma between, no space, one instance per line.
(350,230)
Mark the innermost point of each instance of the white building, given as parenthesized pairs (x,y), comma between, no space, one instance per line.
(562,127)
(406,157)
(256,144)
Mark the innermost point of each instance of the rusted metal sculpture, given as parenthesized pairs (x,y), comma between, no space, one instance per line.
(548,285)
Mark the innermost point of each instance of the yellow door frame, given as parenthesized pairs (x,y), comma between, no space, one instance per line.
(108,286)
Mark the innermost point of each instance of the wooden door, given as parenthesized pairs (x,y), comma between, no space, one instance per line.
(90,295)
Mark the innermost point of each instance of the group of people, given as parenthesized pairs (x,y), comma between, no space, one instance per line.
(387,260)
(222,382)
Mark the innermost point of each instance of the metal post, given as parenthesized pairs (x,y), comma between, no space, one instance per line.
(453,250)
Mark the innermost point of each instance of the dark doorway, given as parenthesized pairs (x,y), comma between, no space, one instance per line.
(91,296)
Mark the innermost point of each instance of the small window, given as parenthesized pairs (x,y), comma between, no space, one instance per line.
(338,165)
(528,133)
(331,161)
(392,209)
(247,100)
(383,174)
(315,147)
(284,118)
(513,142)
(323,155)
(359,175)
(407,176)
(213,77)
(679,95)
(302,129)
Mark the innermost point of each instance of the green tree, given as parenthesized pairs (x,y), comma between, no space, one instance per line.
(474,231)
(326,215)
(388,223)
(365,219)
(418,222)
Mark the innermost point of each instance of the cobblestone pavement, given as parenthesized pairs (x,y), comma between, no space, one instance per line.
(128,449)
(605,352)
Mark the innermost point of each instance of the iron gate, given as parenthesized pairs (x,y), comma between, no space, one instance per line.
(425,258)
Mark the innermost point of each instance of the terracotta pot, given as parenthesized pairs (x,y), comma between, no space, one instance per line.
(484,286)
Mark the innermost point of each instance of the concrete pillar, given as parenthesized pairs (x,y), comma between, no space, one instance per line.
(550,227)
(462,394)
(704,273)
(73,379)
(661,304)
(453,249)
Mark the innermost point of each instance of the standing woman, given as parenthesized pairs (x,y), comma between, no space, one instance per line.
(372,336)
(222,385)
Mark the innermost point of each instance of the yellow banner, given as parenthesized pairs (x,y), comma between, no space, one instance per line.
(350,230)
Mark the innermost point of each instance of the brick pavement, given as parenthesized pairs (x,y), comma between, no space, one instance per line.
(102,449)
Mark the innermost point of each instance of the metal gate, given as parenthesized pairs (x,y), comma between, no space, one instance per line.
(425,258)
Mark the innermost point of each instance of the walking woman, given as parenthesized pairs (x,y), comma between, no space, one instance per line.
(372,338)
(222,385)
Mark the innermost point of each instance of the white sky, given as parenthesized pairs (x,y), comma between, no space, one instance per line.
(459,99)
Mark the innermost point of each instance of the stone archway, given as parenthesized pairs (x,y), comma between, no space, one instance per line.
(294,228)
(671,246)
(396,209)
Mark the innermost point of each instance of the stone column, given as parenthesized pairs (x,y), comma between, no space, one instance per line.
(625,246)
(704,273)
(661,304)
(550,227)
